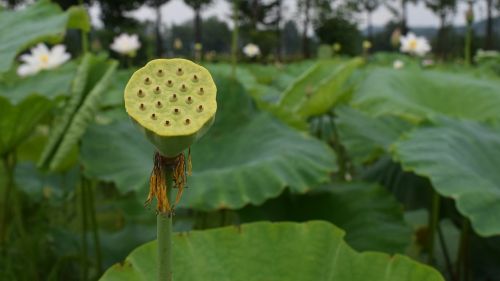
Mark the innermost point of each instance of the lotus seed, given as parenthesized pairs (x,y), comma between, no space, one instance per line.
(188,121)
(179,71)
(200,108)
(157,89)
(167,123)
(142,107)
(183,88)
(201,91)
(153,116)
(147,81)
(169,83)
(174,97)
(158,104)
(195,78)
(189,100)
(160,72)
(140,93)
(176,111)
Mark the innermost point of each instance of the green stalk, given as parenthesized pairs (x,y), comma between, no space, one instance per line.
(433,223)
(95,228)
(164,236)
(17,210)
(234,42)
(342,157)
(446,254)
(83,204)
(463,252)
(84,35)
(9,182)
(468,43)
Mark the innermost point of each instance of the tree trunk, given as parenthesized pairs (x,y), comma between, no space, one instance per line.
(305,41)
(197,25)
(441,40)
(255,13)
(404,17)
(159,39)
(489,26)
(278,32)
(370,27)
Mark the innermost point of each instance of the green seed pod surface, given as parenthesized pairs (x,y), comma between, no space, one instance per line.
(173,101)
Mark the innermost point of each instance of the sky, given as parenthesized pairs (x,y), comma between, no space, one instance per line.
(175,11)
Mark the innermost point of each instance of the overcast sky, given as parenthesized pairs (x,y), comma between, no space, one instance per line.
(177,12)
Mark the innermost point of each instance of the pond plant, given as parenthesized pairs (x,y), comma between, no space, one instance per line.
(173,103)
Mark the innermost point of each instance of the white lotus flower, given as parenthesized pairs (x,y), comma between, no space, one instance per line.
(251,50)
(398,64)
(415,45)
(42,58)
(126,44)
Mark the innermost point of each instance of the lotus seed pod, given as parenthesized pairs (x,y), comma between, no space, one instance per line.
(173,101)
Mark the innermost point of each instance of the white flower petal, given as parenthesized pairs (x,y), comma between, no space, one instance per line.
(125,44)
(27,70)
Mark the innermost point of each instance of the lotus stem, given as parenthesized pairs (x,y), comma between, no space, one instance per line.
(468,43)
(94,226)
(164,234)
(433,224)
(83,203)
(9,182)
(463,265)
(84,34)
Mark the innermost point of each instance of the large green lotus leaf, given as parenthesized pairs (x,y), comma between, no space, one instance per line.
(307,83)
(366,138)
(331,90)
(418,94)
(247,157)
(365,211)
(461,158)
(114,94)
(91,81)
(38,22)
(318,89)
(18,121)
(50,84)
(270,251)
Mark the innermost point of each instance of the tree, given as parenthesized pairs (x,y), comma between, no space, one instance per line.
(488,43)
(400,9)
(156,5)
(368,6)
(339,29)
(113,14)
(318,9)
(197,6)
(443,9)
(291,38)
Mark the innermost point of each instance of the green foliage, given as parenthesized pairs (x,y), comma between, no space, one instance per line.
(459,158)
(91,81)
(17,28)
(340,30)
(367,138)
(282,251)
(223,173)
(365,211)
(51,84)
(417,94)
(320,88)
(19,120)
